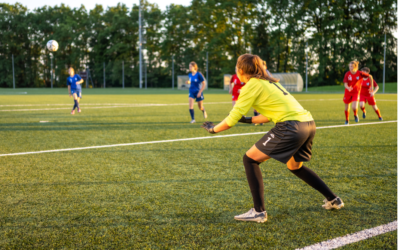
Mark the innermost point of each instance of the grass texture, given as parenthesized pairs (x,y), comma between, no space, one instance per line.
(182,195)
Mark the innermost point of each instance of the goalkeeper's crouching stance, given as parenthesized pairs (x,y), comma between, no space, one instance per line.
(289,142)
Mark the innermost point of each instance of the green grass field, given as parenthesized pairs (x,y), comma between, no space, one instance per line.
(182,194)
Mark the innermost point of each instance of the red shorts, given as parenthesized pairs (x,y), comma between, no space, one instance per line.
(235,94)
(370,99)
(350,97)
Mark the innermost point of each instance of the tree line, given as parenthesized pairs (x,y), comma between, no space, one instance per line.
(331,33)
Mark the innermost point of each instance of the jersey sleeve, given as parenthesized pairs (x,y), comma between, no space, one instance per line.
(79,77)
(232,79)
(345,77)
(246,99)
(363,74)
(68,82)
(201,77)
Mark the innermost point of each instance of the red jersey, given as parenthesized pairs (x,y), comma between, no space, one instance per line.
(366,86)
(354,80)
(236,84)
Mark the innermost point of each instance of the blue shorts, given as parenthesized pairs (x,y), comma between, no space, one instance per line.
(193,94)
(78,92)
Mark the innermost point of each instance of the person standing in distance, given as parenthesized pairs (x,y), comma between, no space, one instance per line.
(197,85)
(352,83)
(74,82)
(368,95)
(289,142)
(234,88)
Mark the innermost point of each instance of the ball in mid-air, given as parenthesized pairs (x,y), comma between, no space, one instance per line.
(52,45)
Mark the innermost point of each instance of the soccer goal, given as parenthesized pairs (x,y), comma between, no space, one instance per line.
(292,82)
(227,81)
(182,82)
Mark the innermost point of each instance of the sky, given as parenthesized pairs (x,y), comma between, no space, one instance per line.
(89,4)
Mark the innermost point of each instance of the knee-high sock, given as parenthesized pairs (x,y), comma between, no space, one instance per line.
(77,104)
(312,179)
(378,113)
(355,112)
(255,180)
(74,105)
(363,109)
(346,113)
(191,113)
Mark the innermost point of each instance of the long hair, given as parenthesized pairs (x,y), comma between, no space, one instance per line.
(253,67)
(194,64)
(355,62)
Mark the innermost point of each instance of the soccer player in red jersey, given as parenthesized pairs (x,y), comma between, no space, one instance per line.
(234,88)
(367,95)
(352,82)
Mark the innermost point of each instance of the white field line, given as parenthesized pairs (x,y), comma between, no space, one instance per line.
(352,238)
(100,104)
(116,106)
(175,140)
(127,105)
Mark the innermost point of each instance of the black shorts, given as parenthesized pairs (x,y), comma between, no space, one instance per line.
(287,139)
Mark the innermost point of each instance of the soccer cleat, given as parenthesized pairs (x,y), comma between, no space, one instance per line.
(380,119)
(336,203)
(79,110)
(253,215)
(205,114)
(192,121)
(346,123)
(364,115)
(356,118)
(73,112)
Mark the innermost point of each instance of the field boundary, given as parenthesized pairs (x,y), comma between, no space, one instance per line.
(352,238)
(175,140)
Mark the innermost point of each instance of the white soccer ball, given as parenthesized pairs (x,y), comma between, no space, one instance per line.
(52,45)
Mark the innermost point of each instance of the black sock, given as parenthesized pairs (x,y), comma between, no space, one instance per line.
(255,180)
(312,179)
(77,104)
(74,105)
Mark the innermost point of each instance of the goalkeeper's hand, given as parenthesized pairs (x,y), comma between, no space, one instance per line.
(245,119)
(209,126)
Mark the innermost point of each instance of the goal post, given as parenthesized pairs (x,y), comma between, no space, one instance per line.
(292,82)
(227,81)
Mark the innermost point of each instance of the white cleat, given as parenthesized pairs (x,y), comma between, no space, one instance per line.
(253,215)
(192,121)
(336,203)
(205,114)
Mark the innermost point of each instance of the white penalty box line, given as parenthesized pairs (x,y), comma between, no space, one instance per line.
(176,140)
(352,238)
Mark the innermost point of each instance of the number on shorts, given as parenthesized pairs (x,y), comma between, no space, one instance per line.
(280,89)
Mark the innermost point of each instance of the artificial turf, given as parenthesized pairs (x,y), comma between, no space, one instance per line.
(184,194)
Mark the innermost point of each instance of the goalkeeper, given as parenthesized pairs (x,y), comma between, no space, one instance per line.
(289,142)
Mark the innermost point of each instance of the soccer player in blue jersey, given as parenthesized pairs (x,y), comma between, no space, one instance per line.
(197,85)
(74,82)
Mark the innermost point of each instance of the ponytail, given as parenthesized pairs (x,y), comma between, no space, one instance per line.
(253,67)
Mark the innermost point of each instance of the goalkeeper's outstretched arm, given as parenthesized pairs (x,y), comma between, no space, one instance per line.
(222,126)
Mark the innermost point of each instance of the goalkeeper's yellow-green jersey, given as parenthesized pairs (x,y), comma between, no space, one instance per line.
(269,99)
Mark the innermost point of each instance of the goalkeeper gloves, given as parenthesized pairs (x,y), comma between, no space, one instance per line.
(245,119)
(209,126)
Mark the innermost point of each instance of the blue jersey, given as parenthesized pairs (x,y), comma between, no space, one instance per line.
(195,81)
(71,81)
